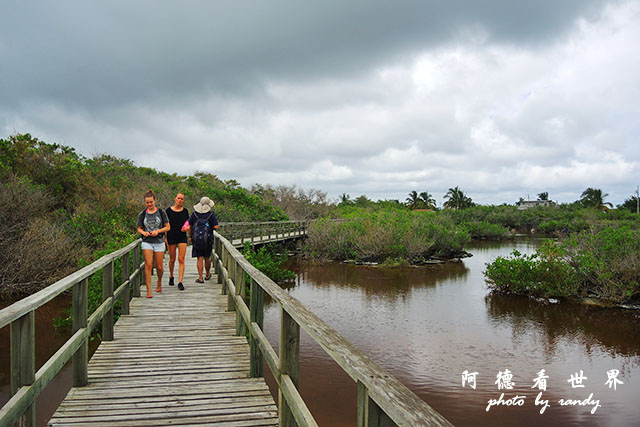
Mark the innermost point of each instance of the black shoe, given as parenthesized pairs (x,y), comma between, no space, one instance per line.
(171,281)
(181,286)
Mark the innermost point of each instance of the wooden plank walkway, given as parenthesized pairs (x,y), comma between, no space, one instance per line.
(174,361)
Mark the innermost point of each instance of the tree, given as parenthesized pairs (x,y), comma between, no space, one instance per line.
(594,198)
(427,200)
(543,196)
(413,201)
(631,204)
(456,199)
(345,199)
(362,201)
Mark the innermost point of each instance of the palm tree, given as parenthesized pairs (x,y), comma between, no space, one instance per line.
(427,200)
(413,200)
(543,196)
(593,197)
(345,199)
(456,199)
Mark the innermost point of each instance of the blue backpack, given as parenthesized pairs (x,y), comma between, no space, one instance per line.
(202,236)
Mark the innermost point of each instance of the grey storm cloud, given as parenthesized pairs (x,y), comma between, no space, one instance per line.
(371,97)
(98,54)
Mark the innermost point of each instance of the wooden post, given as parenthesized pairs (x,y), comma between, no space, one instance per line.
(107,292)
(81,356)
(126,295)
(225,264)
(289,352)
(256,307)
(23,361)
(231,306)
(239,282)
(217,244)
(136,265)
(369,413)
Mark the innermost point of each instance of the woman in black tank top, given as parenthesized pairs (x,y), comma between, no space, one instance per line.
(177,238)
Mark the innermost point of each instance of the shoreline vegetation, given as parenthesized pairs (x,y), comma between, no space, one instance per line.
(601,264)
(74,209)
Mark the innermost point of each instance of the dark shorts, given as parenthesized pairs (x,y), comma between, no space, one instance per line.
(195,253)
(174,241)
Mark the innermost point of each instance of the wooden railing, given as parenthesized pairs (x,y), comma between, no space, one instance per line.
(382,399)
(261,232)
(26,383)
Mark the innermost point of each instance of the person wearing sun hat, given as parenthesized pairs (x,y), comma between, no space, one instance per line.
(202,223)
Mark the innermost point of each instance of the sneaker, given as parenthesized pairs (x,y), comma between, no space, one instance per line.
(171,281)
(181,286)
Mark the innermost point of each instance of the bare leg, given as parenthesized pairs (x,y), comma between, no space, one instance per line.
(159,256)
(148,265)
(172,259)
(200,264)
(182,251)
(207,267)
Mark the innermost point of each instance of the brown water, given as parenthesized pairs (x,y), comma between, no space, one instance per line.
(428,325)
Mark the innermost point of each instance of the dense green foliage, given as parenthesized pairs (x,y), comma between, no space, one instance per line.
(559,220)
(631,204)
(270,260)
(62,209)
(378,235)
(601,262)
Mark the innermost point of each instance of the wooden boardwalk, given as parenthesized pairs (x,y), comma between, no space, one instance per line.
(175,360)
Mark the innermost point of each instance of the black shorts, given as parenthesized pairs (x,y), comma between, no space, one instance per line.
(195,253)
(173,240)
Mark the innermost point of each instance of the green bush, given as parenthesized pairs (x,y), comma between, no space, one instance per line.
(608,260)
(269,260)
(485,230)
(600,262)
(541,274)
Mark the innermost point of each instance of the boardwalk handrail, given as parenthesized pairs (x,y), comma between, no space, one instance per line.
(255,232)
(382,399)
(26,384)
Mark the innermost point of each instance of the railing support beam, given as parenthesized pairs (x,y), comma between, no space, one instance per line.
(23,361)
(126,295)
(81,356)
(257,315)
(289,354)
(107,292)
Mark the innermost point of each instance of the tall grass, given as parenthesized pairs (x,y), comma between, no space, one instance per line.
(382,235)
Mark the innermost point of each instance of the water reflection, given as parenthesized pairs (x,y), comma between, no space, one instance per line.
(614,331)
(375,280)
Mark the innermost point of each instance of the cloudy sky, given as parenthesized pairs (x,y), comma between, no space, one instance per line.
(502,98)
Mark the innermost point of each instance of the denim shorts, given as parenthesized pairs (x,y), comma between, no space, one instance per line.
(155,247)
